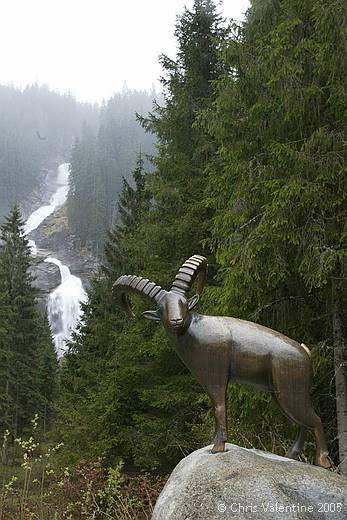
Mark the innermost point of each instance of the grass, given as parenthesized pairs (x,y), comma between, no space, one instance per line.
(35,488)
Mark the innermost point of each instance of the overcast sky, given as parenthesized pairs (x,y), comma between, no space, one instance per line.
(90,47)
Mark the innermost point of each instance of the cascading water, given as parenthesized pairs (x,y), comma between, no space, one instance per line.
(57,199)
(64,309)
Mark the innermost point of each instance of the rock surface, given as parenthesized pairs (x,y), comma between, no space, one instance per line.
(54,239)
(252,485)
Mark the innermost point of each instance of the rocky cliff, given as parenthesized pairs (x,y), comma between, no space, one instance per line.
(54,238)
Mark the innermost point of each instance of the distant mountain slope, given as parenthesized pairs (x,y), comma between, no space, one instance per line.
(99,162)
(37,127)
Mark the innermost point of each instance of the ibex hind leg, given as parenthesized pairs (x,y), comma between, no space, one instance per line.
(298,444)
(322,454)
(296,404)
(314,423)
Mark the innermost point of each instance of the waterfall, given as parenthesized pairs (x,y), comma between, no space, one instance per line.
(64,309)
(57,199)
(63,306)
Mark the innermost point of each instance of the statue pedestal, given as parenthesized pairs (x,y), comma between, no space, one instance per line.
(250,485)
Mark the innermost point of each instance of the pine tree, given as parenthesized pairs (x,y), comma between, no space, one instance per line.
(119,392)
(16,285)
(47,370)
(100,162)
(133,204)
(146,407)
(24,339)
(180,214)
(6,404)
(82,188)
(89,400)
(278,185)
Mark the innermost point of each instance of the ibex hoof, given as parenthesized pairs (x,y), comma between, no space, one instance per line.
(218,447)
(291,454)
(323,461)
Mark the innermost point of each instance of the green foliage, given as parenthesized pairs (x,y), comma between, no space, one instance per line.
(121,249)
(126,393)
(278,186)
(38,489)
(36,128)
(179,215)
(26,348)
(99,163)
(249,171)
(46,371)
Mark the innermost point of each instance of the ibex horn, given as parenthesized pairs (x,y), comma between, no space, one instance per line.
(138,285)
(195,266)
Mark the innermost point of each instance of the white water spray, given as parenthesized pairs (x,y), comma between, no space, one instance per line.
(64,309)
(57,199)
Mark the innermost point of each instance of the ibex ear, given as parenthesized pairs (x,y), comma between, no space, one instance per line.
(193,301)
(151,315)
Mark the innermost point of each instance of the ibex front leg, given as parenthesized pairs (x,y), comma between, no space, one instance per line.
(218,398)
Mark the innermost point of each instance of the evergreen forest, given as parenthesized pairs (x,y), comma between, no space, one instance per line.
(37,126)
(100,160)
(241,159)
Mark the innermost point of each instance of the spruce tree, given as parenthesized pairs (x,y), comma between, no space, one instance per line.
(133,204)
(180,215)
(148,407)
(47,370)
(99,163)
(6,404)
(89,400)
(16,285)
(278,186)
(23,342)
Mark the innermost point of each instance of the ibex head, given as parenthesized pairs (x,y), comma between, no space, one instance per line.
(173,306)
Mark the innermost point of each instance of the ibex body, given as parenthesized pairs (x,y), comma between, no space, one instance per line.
(218,350)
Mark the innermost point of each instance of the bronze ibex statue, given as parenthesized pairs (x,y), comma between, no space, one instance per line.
(218,350)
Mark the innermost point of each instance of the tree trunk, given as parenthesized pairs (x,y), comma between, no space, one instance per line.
(4,456)
(340,364)
(45,417)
